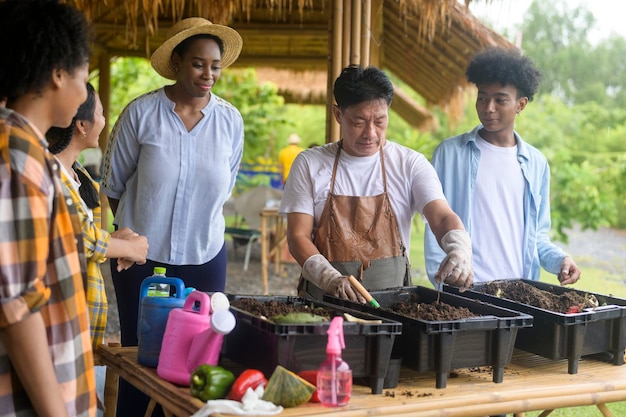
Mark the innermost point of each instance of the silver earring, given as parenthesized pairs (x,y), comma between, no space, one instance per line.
(85,134)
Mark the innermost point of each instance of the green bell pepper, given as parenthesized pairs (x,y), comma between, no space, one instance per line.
(209,382)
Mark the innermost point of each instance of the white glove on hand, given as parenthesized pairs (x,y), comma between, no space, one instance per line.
(320,272)
(456,268)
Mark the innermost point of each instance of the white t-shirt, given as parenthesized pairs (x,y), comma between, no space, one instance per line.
(412,182)
(497,213)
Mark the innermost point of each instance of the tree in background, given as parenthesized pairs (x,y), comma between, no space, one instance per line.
(579,121)
(556,36)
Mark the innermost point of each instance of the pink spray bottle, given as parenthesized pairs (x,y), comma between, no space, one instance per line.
(334,379)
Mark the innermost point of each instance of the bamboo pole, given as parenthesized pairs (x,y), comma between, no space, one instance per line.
(334,68)
(605,410)
(376,52)
(355,33)
(347,23)
(366,33)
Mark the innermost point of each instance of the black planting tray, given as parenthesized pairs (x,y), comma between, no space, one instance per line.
(600,332)
(262,344)
(441,346)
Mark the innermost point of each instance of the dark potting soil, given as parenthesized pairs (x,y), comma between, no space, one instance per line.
(434,311)
(525,293)
(273,308)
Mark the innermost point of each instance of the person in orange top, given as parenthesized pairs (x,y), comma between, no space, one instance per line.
(288,154)
(46,359)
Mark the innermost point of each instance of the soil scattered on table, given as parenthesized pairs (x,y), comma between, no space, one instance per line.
(408,394)
(434,311)
(522,292)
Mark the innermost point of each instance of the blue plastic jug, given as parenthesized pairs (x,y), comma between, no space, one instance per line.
(153,314)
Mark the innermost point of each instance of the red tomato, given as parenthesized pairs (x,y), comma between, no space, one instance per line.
(311,377)
(573,310)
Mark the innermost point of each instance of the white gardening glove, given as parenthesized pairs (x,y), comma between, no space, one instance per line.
(456,268)
(320,272)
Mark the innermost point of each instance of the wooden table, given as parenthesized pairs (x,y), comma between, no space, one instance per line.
(530,383)
(273,237)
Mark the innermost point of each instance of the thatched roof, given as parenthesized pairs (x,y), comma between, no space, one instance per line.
(426,43)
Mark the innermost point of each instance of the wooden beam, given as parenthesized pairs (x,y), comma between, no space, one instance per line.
(334,67)
(104,91)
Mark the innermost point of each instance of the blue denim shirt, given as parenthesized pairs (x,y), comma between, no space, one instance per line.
(456,161)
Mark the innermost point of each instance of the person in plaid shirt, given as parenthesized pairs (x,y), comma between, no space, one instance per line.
(46,360)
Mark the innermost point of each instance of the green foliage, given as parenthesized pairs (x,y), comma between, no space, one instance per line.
(585,179)
(579,194)
(307,121)
(555,36)
(131,77)
(261,107)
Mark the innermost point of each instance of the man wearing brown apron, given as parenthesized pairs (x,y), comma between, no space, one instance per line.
(349,204)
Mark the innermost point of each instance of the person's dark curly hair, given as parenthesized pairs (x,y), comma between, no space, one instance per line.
(59,138)
(36,38)
(357,85)
(507,67)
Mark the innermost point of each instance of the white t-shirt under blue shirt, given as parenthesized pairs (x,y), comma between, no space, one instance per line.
(497,212)
(172,183)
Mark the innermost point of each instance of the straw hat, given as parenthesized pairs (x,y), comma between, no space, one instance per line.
(161,58)
(293,139)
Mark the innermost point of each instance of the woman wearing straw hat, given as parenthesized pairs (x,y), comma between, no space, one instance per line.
(170,166)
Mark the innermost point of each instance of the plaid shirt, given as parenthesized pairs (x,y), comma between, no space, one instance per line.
(40,269)
(96,241)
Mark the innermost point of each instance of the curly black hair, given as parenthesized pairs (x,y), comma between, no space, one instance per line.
(507,67)
(36,38)
(357,85)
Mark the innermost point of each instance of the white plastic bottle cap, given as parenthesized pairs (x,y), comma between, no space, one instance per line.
(223,321)
(219,302)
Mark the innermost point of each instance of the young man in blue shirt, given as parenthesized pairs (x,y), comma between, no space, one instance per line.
(498,184)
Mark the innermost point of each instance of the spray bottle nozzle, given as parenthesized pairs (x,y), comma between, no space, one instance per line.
(335,336)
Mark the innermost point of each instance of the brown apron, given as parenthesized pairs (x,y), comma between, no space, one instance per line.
(359,236)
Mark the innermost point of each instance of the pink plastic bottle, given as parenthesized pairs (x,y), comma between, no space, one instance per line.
(334,379)
(189,339)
